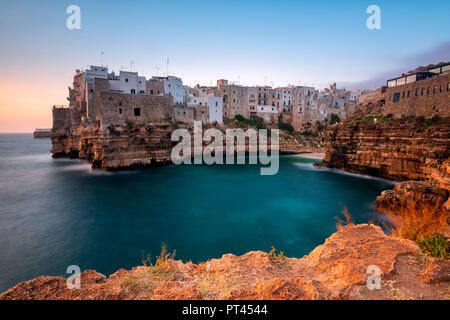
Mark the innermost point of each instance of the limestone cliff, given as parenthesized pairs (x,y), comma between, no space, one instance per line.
(134,147)
(116,148)
(399,149)
(335,270)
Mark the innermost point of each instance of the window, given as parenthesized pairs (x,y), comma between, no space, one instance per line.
(126,80)
(120,111)
(151,91)
(428,90)
(142,92)
(441,89)
(397,97)
(216,104)
(422,91)
(435,89)
(140,81)
(137,112)
(403,95)
(409,93)
(417,92)
(91,90)
(448,86)
(133,91)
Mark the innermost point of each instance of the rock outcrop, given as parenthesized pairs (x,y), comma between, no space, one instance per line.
(338,269)
(397,149)
(420,203)
(116,148)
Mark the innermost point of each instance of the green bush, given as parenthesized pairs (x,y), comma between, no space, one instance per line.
(334,118)
(257,122)
(436,246)
(285,127)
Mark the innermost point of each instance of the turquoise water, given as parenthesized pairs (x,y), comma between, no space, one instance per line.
(56,213)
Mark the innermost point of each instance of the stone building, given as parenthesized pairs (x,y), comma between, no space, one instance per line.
(423,93)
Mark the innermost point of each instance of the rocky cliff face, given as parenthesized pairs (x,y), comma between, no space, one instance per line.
(335,270)
(399,149)
(116,148)
(119,148)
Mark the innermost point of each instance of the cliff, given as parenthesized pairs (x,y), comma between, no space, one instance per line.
(399,149)
(116,148)
(149,145)
(336,269)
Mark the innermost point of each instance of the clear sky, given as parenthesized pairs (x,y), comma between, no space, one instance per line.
(289,42)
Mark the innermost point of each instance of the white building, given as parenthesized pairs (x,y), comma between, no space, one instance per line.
(173,86)
(213,103)
(131,82)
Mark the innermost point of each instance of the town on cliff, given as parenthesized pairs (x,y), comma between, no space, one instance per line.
(400,132)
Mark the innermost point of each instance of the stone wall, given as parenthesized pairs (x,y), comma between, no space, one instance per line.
(426,98)
(120,109)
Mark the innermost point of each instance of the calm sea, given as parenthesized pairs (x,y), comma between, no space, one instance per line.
(56,213)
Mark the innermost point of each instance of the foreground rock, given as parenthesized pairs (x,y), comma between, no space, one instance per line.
(423,204)
(335,270)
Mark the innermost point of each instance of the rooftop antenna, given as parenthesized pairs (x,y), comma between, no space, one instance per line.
(265,81)
(101,58)
(132,66)
(157,70)
(167,67)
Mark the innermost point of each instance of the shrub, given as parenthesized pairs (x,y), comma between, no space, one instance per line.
(334,118)
(256,122)
(435,245)
(285,126)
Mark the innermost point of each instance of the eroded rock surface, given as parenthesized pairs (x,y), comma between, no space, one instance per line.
(336,269)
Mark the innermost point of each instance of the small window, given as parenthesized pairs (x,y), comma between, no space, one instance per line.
(448,86)
(120,111)
(422,91)
(120,104)
(441,89)
(403,95)
(137,112)
(151,91)
(417,92)
(428,90)
(408,94)
(91,90)
(435,89)
(397,97)
(133,91)
(126,80)
(142,92)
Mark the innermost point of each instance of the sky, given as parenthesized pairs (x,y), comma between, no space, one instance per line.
(251,42)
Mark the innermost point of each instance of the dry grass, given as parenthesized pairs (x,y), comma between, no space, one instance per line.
(213,287)
(145,279)
(348,219)
(415,225)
